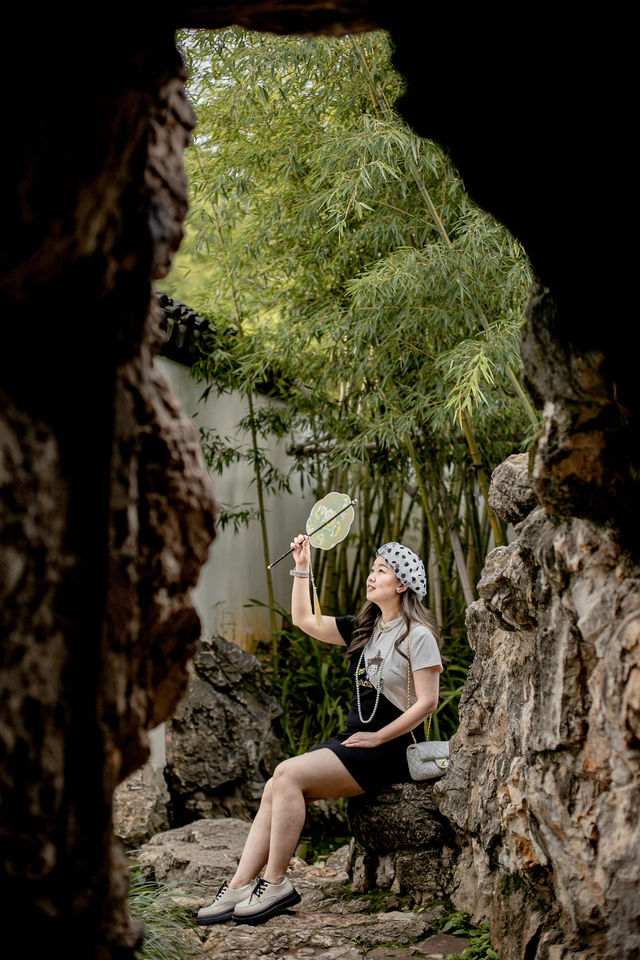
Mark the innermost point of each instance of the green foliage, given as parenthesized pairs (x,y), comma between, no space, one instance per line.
(166,924)
(220,452)
(310,682)
(346,272)
(479,946)
(478,941)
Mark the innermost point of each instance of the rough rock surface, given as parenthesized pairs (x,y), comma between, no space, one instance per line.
(511,495)
(402,843)
(141,806)
(106,507)
(328,924)
(588,457)
(202,853)
(221,747)
(543,787)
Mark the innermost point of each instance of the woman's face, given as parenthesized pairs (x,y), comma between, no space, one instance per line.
(382,583)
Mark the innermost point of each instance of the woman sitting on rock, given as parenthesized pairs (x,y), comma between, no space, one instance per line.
(371,752)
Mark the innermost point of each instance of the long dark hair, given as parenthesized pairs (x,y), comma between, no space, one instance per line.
(412,612)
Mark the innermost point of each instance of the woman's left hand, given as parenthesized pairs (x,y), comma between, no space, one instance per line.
(363,738)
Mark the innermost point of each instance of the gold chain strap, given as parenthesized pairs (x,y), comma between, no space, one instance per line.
(409,671)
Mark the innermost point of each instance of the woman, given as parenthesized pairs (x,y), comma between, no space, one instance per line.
(371,752)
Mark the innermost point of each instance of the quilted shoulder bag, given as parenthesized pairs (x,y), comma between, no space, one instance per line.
(430,759)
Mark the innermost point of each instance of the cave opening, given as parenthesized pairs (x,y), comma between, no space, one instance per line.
(94,202)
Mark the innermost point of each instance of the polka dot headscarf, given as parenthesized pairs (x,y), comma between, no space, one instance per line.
(407,566)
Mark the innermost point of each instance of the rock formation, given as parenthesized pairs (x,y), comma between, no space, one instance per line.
(402,843)
(199,855)
(543,788)
(221,747)
(141,806)
(106,507)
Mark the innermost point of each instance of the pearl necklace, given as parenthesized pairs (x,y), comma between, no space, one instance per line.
(381,628)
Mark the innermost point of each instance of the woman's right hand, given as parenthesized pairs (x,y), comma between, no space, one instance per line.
(302,615)
(301,555)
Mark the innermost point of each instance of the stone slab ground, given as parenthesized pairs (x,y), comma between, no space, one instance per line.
(326,925)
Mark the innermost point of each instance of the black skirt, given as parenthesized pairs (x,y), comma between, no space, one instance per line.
(373,767)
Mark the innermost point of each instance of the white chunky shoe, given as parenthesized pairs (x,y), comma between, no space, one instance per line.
(222,907)
(266,900)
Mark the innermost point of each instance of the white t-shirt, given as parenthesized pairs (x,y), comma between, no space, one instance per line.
(380,656)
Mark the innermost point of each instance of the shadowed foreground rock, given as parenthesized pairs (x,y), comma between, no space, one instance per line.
(106,506)
(543,787)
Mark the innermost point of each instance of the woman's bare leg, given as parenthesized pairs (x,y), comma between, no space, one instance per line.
(256,847)
(312,776)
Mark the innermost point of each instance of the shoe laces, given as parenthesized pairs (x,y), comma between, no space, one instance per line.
(259,889)
(221,892)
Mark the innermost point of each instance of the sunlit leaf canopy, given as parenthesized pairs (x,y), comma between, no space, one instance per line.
(340,260)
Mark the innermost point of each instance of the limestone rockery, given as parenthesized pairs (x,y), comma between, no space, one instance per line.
(543,788)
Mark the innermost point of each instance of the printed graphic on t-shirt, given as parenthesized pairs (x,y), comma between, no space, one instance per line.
(390,677)
(370,675)
(363,680)
(374,668)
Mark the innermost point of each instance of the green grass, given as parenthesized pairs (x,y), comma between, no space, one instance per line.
(167,925)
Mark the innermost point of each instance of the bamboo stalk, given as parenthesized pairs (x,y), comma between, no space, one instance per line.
(475,523)
(365,551)
(341,593)
(412,500)
(471,550)
(482,478)
(436,586)
(397,514)
(458,554)
(426,506)
(263,523)
(515,383)
(369,79)
(353,582)
(331,581)
(386,510)
(485,533)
